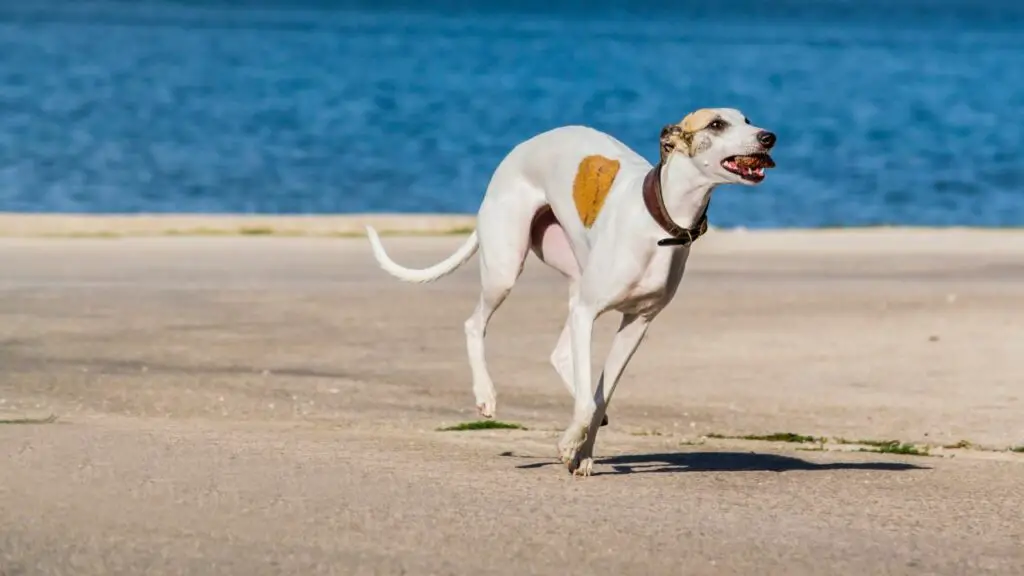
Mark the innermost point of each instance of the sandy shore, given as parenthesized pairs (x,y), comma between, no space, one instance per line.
(87,225)
(22,225)
(259,405)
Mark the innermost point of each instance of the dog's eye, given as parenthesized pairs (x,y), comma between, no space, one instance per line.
(747,120)
(717,125)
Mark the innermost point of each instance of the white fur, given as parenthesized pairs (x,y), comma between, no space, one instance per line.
(615,265)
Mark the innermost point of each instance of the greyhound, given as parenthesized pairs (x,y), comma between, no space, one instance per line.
(618,228)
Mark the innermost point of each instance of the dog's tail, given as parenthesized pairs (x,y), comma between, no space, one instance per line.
(441,269)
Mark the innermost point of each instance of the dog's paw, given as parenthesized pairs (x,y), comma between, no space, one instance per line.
(486,399)
(569,446)
(579,462)
(486,409)
(584,468)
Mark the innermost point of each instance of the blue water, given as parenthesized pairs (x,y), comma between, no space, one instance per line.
(887,111)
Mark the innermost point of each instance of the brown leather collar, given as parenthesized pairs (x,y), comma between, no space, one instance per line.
(655,202)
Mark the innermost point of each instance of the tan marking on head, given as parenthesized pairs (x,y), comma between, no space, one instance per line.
(698,120)
(681,135)
(594,178)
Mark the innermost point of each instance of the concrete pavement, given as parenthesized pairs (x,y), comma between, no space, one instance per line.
(270,406)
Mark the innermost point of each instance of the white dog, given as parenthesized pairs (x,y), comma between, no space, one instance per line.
(616,227)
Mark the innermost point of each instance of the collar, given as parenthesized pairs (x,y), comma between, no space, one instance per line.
(655,202)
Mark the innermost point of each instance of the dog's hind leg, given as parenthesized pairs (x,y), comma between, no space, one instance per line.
(491,296)
(561,358)
(504,231)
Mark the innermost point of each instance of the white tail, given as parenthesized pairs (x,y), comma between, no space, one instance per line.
(443,268)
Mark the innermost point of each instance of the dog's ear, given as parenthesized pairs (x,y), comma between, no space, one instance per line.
(670,136)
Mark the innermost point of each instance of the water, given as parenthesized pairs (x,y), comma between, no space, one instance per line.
(886,115)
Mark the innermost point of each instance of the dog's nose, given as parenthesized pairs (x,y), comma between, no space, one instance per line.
(767,139)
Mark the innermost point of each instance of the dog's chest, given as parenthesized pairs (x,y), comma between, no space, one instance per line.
(652,290)
(642,304)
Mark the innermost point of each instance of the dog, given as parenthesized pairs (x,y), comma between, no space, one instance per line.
(618,228)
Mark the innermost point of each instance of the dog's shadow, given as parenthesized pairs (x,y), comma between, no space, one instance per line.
(722,462)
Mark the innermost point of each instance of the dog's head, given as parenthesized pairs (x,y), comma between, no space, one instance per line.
(721,143)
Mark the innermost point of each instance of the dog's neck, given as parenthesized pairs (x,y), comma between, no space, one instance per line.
(685,190)
(676,195)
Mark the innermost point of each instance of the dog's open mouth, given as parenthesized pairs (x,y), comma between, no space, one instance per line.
(750,167)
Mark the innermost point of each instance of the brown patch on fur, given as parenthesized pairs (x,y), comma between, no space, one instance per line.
(594,178)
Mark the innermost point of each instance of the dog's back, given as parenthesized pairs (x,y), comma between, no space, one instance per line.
(550,160)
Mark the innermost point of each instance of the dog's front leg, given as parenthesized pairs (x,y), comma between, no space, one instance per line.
(581,330)
(627,339)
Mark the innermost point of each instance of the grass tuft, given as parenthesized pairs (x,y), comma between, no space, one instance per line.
(47,420)
(895,447)
(879,446)
(875,443)
(776,437)
(961,445)
(482,425)
(1018,449)
(785,437)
